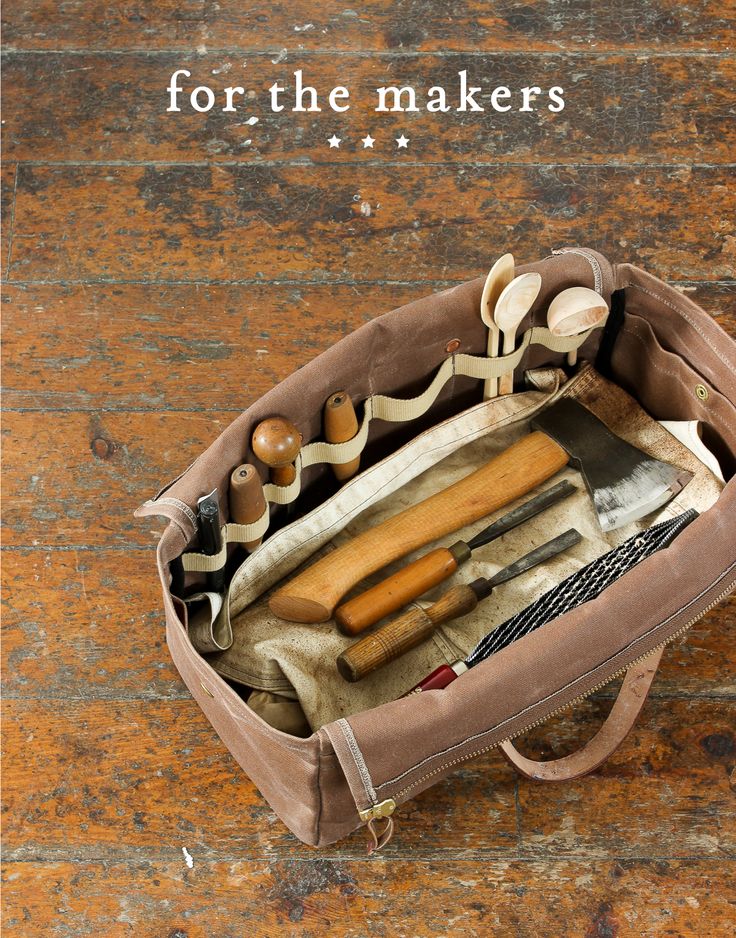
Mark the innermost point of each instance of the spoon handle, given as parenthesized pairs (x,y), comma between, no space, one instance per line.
(506,382)
(490,387)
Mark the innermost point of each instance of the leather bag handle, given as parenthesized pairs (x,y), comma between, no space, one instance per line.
(618,723)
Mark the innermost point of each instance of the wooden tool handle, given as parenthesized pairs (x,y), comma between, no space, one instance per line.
(506,382)
(283,475)
(247,501)
(341,425)
(401,635)
(312,595)
(356,615)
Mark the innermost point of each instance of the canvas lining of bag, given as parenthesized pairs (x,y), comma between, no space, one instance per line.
(297,662)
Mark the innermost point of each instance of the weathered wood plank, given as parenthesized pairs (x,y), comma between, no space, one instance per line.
(85,346)
(7,204)
(116,771)
(306,223)
(83,624)
(7,180)
(704,661)
(349,898)
(105,640)
(538,25)
(131,777)
(75,479)
(62,107)
(666,792)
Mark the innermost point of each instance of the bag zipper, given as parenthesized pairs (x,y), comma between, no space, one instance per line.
(681,631)
(381,810)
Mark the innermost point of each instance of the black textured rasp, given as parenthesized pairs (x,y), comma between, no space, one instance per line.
(581,586)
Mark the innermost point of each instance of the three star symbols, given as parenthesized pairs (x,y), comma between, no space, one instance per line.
(402,142)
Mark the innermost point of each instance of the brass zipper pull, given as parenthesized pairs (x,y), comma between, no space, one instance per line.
(381,810)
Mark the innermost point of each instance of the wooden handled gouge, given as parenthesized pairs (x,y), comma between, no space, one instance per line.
(416,625)
(624,482)
(364,610)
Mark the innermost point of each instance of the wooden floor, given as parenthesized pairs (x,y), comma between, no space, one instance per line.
(161,271)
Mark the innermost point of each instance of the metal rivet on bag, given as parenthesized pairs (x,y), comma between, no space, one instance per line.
(206,690)
(701,392)
(453,345)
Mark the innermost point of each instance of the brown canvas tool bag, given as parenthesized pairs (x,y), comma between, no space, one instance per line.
(329,755)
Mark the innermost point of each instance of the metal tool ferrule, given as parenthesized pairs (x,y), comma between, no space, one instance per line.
(482,587)
(460,551)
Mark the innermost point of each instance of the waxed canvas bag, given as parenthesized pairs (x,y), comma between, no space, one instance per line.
(416,375)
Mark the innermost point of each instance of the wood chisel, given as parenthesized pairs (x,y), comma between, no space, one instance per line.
(580,587)
(413,580)
(416,625)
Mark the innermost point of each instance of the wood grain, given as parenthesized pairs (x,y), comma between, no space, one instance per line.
(84,624)
(193,223)
(163,274)
(399,635)
(311,596)
(146,777)
(396,591)
(200,346)
(675,747)
(137,777)
(76,479)
(704,662)
(63,108)
(349,898)
(374,26)
(8,172)
(340,424)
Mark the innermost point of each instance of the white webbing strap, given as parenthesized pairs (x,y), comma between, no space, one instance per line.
(379,407)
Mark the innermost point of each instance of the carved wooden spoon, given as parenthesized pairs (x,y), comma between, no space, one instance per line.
(501,274)
(576,310)
(513,304)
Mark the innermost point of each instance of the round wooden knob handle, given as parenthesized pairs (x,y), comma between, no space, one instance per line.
(276,442)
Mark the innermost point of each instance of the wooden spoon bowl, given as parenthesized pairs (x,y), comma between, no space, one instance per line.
(576,310)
